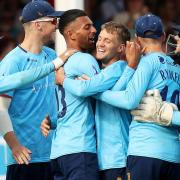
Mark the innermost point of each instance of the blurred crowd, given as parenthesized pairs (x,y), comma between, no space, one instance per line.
(100,11)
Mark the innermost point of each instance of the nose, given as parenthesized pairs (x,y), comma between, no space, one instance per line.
(93,29)
(100,43)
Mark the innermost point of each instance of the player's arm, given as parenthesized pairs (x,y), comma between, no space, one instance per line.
(130,98)
(95,84)
(101,82)
(19,79)
(20,153)
(124,79)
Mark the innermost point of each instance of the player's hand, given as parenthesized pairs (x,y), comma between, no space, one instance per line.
(83,77)
(133,53)
(177,38)
(153,110)
(45,126)
(60,76)
(21,154)
(67,53)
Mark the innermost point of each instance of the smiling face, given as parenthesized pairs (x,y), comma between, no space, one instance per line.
(110,46)
(107,47)
(84,32)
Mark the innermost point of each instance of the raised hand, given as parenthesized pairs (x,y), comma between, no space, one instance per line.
(133,53)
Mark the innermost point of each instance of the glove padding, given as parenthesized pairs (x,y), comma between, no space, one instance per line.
(153,110)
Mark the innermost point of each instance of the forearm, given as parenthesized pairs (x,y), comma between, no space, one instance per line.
(11,139)
(124,79)
(22,78)
(97,83)
(118,99)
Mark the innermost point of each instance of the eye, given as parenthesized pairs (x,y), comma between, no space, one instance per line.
(87,27)
(99,38)
(108,41)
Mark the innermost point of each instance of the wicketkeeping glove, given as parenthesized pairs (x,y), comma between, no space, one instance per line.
(153,110)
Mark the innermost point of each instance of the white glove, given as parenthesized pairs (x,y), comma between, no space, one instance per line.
(152,109)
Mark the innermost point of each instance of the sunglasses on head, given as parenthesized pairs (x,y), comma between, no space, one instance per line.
(53,21)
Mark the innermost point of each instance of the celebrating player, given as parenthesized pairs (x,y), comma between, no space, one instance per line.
(27,106)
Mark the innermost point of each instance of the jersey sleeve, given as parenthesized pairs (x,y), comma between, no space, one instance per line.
(176,118)
(131,96)
(124,79)
(7,68)
(16,80)
(98,83)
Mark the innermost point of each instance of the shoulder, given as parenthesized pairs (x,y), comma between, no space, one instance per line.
(82,59)
(49,51)
(82,56)
(13,59)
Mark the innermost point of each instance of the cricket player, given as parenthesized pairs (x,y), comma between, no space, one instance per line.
(110,47)
(27,106)
(153,150)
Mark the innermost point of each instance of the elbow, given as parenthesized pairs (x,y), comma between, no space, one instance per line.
(82,93)
(132,104)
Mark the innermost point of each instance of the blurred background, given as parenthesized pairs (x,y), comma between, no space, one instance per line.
(100,11)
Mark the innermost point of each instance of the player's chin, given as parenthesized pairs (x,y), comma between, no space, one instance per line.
(99,56)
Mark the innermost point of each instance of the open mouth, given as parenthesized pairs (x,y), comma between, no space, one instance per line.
(100,51)
(92,40)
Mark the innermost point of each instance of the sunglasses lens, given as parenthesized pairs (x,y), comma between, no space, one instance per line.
(54,21)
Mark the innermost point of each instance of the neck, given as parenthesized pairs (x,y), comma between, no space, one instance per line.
(73,45)
(151,47)
(104,65)
(32,44)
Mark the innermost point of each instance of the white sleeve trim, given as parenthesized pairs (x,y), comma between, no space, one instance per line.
(5,121)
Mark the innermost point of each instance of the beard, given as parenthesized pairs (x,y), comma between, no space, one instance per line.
(50,39)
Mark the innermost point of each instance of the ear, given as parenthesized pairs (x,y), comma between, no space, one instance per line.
(71,34)
(38,26)
(121,48)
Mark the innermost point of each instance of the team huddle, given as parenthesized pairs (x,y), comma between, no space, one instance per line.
(69,118)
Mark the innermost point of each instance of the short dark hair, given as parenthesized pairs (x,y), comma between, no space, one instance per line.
(114,27)
(68,17)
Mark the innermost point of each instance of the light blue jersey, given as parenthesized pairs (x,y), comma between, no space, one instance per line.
(99,83)
(19,79)
(176,118)
(75,130)
(103,81)
(112,129)
(155,71)
(31,103)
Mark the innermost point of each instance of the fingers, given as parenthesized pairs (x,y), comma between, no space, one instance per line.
(153,92)
(79,78)
(66,54)
(85,77)
(132,54)
(45,127)
(60,76)
(175,108)
(22,155)
(136,112)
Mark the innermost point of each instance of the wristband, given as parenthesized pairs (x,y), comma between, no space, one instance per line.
(58,62)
